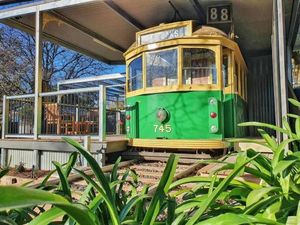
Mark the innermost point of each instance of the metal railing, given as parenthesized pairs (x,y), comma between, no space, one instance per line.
(18,115)
(72,112)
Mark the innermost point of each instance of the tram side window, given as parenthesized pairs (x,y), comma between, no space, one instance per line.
(225,70)
(135,79)
(199,66)
(236,74)
(161,69)
(241,82)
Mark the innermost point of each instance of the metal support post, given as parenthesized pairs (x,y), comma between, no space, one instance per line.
(5,110)
(38,83)
(118,121)
(36,159)
(282,57)
(87,146)
(38,73)
(102,113)
(279,65)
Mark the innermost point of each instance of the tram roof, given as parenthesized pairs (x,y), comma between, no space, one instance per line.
(104,29)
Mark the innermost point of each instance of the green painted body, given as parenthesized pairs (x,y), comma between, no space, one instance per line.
(189,115)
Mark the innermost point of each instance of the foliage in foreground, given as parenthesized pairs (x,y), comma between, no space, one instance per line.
(215,200)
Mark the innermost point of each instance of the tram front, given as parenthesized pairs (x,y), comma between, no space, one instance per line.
(174,90)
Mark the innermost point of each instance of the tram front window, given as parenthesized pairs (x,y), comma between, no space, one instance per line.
(199,66)
(135,80)
(161,69)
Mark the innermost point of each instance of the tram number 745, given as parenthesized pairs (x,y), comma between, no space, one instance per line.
(162,128)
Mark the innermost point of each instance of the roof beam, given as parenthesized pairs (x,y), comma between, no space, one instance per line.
(29,29)
(96,37)
(121,12)
(7,2)
(103,77)
(41,6)
(199,10)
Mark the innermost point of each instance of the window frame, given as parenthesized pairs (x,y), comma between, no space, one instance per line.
(145,67)
(127,75)
(160,88)
(229,53)
(216,50)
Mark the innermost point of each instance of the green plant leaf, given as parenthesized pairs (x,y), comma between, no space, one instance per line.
(94,166)
(13,197)
(294,102)
(269,140)
(237,219)
(270,212)
(110,206)
(187,180)
(114,172)
(211,198)
(70,164)
(3,172)
(130,205)
(279,153)
(63,180)
(162,188)
(285,185)
(288,128)
(4,220)
(261,205)
(297,127)
(171,206)
(47,216)
(257,194)
(266,125)
(283,165)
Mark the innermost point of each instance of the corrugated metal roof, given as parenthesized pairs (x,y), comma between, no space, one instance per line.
(104,29)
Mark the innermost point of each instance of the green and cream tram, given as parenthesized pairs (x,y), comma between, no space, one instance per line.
(185,88)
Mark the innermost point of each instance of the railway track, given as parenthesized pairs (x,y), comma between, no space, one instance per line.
(149,171)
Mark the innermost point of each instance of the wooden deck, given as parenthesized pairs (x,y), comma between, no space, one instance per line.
(113,143)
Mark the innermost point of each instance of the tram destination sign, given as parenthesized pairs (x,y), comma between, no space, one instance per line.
(219,14)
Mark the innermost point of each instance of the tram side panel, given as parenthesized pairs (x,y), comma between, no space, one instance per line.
(189,115)
(240,108)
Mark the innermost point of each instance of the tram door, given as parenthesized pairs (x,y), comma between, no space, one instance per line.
(228,93)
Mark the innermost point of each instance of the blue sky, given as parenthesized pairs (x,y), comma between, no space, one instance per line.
(116,69)
(16,4)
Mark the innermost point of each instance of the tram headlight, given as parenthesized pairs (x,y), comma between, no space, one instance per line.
(213,129)
(162,115)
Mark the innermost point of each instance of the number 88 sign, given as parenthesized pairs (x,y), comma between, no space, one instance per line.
(219,14)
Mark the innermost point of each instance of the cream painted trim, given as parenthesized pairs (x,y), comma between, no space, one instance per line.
(163,27)
(228,89)
(178,143)
(193,40)
(127,72)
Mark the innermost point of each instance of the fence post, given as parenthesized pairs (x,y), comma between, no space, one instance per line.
(5,111)
(87,146)
(118,120)
(102,113)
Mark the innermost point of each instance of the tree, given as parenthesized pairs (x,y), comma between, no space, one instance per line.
(17,61)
